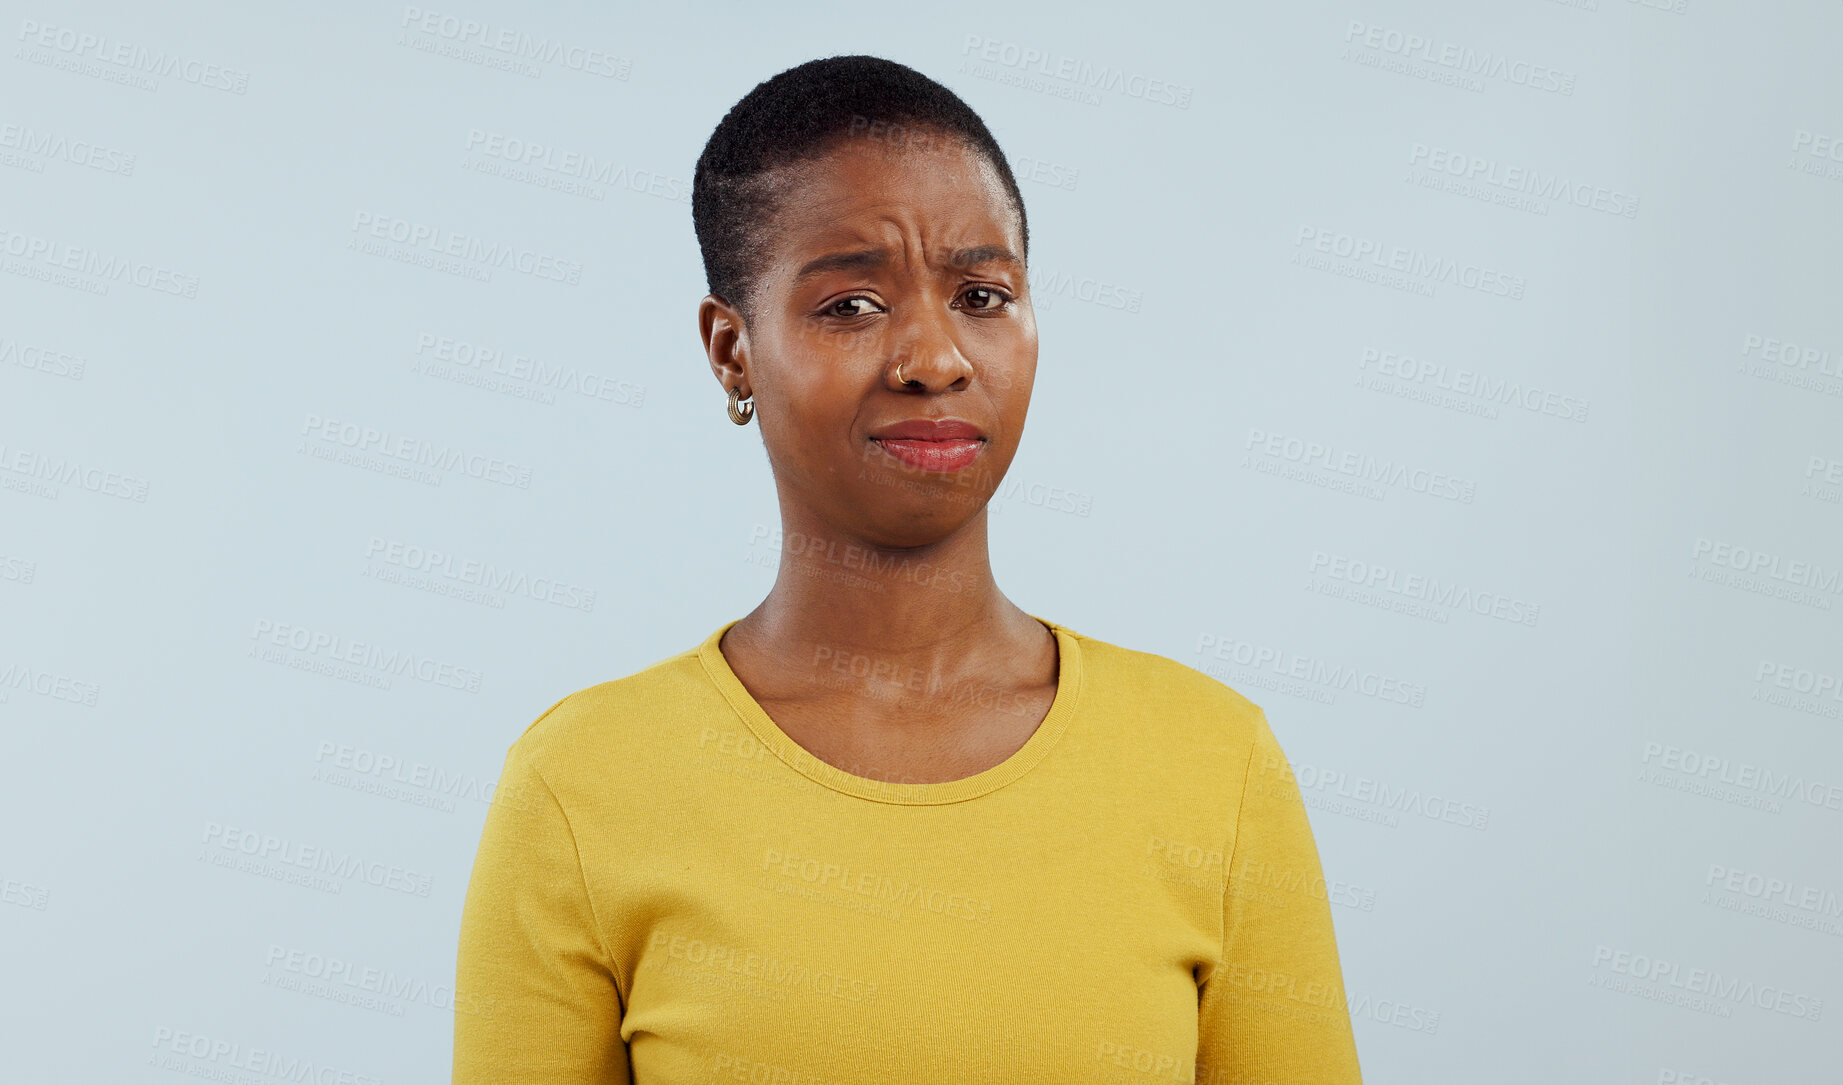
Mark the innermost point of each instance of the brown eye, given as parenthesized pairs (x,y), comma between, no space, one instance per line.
(983,298)
(841,307)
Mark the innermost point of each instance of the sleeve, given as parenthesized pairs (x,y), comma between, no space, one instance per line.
(537,998)
(1273,1009)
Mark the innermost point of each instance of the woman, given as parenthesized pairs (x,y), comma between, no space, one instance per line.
(888,826)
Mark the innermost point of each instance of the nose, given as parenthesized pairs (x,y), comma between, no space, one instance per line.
(925,355)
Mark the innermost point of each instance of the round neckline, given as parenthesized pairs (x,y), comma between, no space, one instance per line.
(803,761)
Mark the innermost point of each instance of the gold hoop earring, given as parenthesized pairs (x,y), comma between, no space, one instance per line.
(739,413)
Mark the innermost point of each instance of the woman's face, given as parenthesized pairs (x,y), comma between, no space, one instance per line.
(886,254)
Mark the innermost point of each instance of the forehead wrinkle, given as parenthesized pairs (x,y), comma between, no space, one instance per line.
(864,253)
(878,228)
(804,184)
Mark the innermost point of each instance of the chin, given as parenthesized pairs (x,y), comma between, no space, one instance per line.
(919,521)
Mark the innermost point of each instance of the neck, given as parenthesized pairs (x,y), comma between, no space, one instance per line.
(918,607)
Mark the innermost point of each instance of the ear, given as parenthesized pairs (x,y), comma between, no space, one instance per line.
(726,342)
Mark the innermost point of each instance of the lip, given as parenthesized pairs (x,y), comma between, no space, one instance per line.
(952,455)
(932,444)
(929,429)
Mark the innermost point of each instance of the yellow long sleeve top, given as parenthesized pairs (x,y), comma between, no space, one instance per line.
(669,889)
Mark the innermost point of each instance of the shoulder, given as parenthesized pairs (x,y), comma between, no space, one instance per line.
(590,723)
(1170,695)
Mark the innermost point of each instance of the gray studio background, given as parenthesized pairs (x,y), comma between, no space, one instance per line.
(1563,694)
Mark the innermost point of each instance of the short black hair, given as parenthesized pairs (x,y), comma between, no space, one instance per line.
(800,114)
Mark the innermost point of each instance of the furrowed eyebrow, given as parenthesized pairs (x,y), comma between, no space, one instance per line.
(983,254)
(871,258)
(840,261)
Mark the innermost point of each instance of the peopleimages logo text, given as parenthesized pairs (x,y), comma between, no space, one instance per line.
(133,57)
(1460,58)
(1693,987)
(1526,180)
(1075,70)
(515,43)
(445,242)
(1415,263)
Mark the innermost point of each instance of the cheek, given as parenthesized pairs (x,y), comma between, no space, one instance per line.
(1012,386)
(816,403)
